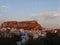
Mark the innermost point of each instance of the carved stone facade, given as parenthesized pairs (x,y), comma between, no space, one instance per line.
(27,25)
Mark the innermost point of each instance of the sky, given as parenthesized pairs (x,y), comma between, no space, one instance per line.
(46,12)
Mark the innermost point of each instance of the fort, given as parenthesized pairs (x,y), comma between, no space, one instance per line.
(27,25)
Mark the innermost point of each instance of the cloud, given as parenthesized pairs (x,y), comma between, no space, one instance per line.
(4,8)
(47,15)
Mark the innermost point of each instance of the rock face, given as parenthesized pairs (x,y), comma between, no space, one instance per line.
(27,25)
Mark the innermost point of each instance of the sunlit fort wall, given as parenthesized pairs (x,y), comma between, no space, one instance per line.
(27,25)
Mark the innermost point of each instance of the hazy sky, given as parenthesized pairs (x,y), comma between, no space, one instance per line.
(46,12)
